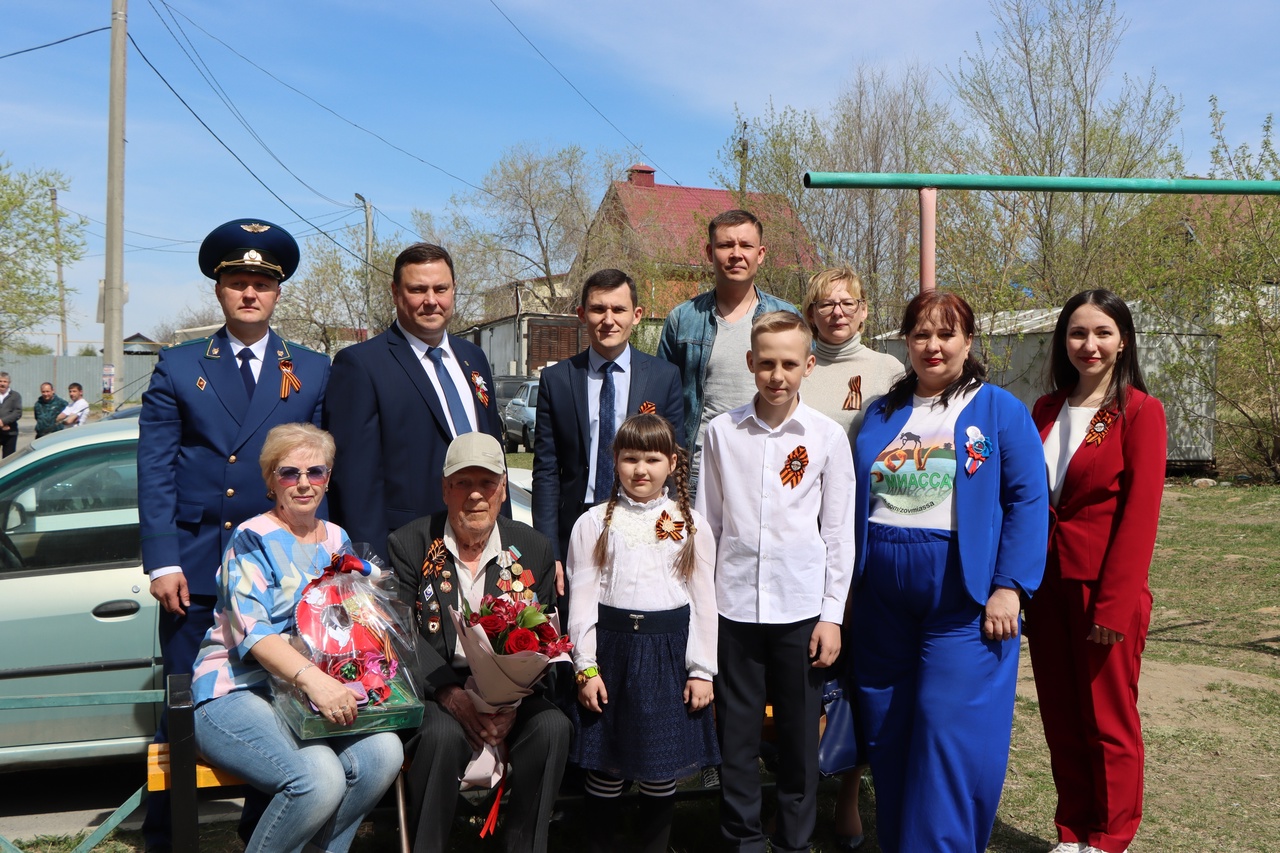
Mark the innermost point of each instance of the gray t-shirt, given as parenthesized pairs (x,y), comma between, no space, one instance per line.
(729,384)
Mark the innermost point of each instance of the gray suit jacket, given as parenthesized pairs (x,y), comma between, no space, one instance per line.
(11,411)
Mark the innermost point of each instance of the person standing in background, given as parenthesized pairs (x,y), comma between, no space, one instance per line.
(10,413)
(47,408)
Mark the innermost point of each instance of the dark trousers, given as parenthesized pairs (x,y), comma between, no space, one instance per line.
(1089,706)
(8,441)
(537,748)
(754,658)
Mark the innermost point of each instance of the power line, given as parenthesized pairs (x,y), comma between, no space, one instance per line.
(52,43)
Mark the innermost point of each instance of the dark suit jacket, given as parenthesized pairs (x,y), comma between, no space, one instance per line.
(392,434)
(1104,527)
(11,411)
(199,438)
(562,438)
(408,548)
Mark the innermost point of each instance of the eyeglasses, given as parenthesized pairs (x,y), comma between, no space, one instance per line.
(847,306)
(316,475)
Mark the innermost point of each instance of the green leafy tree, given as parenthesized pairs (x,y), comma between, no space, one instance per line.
(31,243)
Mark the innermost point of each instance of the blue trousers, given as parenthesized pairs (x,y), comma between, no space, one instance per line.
(936,697)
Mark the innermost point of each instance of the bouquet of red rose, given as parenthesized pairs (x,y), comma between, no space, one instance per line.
(509,646)
(355,629)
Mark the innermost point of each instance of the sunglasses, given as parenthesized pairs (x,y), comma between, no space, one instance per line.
(316,475)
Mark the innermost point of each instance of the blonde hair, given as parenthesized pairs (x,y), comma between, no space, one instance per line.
(286,438)
(653,434)
(822,283)
(781,321)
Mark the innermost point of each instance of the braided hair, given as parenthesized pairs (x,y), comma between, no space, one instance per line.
(649,433)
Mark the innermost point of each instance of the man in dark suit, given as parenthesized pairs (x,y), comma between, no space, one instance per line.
(463,554)
(572,467)
(10,412)
(204,417)
(396,401)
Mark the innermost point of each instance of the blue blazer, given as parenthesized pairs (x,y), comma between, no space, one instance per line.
(199,440)
(1002,509)
(392,433)
(562,439)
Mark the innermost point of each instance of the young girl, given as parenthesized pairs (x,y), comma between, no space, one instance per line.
(641,576)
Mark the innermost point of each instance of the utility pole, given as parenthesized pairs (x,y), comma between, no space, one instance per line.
(113,291)
(57,249)
(368,264)
(743,149)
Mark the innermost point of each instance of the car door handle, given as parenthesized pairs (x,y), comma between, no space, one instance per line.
(116,609)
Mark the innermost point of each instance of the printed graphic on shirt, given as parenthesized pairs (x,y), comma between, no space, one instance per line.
(917,473)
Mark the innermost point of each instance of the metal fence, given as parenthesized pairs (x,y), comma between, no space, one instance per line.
(27,372)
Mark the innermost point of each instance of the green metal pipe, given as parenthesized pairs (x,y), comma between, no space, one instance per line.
(1034,183)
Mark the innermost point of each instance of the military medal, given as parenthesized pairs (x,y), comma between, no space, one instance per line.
(433,624)
(504,580)
(482,390)
(793,472)
(516,569)
(446,587)
(1099,426)
(648,408)
(288,379)
(668,528)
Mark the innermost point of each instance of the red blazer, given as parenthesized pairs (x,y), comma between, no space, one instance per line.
(1104,527)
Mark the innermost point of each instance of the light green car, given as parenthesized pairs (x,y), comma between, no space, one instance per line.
(76,615)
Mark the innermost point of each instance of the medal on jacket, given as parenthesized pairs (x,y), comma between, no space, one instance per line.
(793,471)
(668,528)
(287,379)
(1099,426)
(853,402)
(482,390)
(978,448)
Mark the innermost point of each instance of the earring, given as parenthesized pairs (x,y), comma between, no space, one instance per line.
(271,494)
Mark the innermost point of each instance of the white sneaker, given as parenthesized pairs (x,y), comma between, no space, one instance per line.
(1072,847)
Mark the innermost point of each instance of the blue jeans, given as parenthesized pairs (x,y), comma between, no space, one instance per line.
(322,789)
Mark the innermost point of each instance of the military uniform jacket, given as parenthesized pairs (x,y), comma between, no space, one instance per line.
(199,440)
(437,642)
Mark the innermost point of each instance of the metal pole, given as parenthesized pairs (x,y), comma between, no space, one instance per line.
(1036,183)
(368,263)
(113,292)
(928,238)
(57,248)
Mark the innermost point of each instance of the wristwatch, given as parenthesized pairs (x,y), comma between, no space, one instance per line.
(587,674)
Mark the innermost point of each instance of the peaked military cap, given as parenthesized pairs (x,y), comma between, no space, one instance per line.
(252,245)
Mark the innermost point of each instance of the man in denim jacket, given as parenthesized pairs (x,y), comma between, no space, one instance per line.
(708,336)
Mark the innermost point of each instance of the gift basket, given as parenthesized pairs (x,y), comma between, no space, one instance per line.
(351,624)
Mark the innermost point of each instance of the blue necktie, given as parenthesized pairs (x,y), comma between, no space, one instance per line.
(246,372)
(457,412)
(604,451)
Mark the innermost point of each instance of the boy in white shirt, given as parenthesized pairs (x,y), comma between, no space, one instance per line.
(777,493)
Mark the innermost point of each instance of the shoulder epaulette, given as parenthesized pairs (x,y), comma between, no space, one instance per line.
(204,340)
(293,344)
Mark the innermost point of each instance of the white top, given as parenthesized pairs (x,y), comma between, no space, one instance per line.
(784,546)
(80,408)
(913,478)
(1064,439)
(470,587)
(621,394)
(641,575)
(259,350)
(451,365)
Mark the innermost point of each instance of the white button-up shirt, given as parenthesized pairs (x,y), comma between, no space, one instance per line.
(784,546)
(454,369)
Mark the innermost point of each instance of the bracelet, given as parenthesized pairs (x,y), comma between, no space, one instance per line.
(587,674)
(299,672)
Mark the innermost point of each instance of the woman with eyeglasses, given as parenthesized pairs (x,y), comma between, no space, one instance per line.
(846,379)
(320,790)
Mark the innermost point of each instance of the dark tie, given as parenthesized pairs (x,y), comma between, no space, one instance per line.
(246,372)
(604,452)
(457,412)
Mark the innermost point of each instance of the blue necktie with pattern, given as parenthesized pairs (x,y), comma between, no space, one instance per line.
(456,410)
(604,451)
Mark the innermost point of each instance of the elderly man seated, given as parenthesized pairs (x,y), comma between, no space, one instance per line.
(480,553)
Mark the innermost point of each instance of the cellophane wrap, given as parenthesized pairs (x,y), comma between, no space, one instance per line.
(351,624)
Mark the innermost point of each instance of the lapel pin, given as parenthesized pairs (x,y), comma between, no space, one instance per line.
(200,383)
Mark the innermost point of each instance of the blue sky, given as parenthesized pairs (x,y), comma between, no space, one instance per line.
(456,83)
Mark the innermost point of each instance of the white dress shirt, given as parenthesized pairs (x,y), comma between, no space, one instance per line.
(259,350)
(465,389)
(470,587)
(1064,439)
(783,554)
(621,394)
(641,575)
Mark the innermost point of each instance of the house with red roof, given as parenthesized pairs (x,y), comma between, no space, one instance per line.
(657,233)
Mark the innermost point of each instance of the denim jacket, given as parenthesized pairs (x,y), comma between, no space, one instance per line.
(688,334)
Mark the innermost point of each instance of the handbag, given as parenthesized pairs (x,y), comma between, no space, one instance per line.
(838,748)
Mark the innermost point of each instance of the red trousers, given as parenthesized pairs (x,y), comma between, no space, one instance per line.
(1089,706)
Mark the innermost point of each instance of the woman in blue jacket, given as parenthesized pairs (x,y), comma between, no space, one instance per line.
(951,533)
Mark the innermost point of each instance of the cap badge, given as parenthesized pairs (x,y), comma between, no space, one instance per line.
(255,227)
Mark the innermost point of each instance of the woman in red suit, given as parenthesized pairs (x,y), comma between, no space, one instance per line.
(1104,441)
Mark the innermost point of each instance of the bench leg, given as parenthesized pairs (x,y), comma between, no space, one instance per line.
(402,814)
(182,765)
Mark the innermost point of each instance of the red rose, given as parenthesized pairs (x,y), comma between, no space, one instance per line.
(546,632)
(493,625)
(346,669)
(521,640)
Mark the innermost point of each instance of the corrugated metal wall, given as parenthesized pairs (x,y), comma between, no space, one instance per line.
(27,372)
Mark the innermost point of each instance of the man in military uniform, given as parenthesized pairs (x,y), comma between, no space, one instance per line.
(209,407)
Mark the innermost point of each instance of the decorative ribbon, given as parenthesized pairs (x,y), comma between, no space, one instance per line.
(288,379)
(491,822)
(648,408)
(434,562)
(853,402)
(1099,426)
(793,472)
(668,528)
(482,390)
(978,448)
